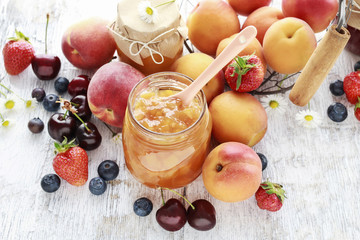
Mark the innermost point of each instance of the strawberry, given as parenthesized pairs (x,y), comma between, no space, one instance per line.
(357,109)
(245,73)
(18,53)
(270,196)
(71,163)
(352,86)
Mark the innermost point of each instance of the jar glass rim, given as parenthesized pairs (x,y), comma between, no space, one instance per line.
(159,74)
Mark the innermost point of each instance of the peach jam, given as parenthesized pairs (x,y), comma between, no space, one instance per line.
(165,143)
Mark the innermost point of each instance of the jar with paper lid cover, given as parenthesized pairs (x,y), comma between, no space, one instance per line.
(353,25)
(150,43)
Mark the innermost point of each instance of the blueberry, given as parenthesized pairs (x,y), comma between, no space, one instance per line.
(337,112)
(264,160)
(50,183)
(336,88)
(38,94)
(108,170)
(50,103)
(61,84)
(97,186)
(143,207)
(357,66)
(36,125)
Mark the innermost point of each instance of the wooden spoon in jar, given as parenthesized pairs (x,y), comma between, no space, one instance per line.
(229,53)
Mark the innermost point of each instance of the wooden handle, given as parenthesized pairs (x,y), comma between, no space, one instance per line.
(319,65)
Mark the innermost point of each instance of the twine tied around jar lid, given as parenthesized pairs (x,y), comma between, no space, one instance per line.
(143,45)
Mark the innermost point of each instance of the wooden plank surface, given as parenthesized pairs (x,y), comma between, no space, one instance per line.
(319,168)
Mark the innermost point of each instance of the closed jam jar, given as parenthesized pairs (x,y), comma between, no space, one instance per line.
(165,143)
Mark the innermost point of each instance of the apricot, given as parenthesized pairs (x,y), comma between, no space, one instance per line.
(193,65)
(253,48)
(210,22)
(238,117)
(232,172)
(246,7)
(288,45)
(262,19)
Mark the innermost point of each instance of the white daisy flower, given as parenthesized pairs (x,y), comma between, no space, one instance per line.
(9,103)
(308,118)
(274,104)
(7,123)
(29,104)
(147,13)
(117,138)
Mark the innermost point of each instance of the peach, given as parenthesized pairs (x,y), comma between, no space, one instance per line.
(253,48)
(318,14)
(210,22)
(288,45)
(262,19)
(193,65)
(238,117)
(88,44)
(109,90)
(246,7)
(232,172)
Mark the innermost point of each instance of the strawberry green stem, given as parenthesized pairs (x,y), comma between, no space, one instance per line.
(192,206)
(165,3)
(46,29)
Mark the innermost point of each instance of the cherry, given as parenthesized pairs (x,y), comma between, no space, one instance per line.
(81,105)
(46,66)
(172,215)
(79,85)
(88,137)
(203,217)
(60,126)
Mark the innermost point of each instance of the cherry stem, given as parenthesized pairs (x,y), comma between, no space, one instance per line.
(86,127)
(192,206)
(46,28)
(74,104)
(65,114)
(162,196)
(113,133)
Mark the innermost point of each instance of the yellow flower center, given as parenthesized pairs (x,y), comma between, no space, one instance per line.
(9,104)
(149,11)
(273,104)
(308,118)
(28,103)
(5,123)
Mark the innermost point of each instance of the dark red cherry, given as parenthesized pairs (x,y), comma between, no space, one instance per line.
(171,216)
(46,66)
(79,85)
(60,127)
(203,217)
(88,140)
(81,105)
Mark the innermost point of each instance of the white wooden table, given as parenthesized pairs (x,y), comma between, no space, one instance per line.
(319,168)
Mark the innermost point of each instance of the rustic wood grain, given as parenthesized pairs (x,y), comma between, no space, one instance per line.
(319,168)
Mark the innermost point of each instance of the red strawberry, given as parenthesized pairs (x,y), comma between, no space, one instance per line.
(18,53)
(71,163)
(352,86)
(270,196)
(245,73)
(357,109)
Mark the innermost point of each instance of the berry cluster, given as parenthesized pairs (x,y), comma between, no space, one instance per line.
(337,112)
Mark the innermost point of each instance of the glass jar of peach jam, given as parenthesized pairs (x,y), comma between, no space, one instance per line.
(165,143)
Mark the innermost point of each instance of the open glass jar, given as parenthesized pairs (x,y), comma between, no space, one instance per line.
(159,159)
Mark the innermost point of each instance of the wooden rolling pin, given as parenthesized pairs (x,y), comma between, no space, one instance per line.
(319,65)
